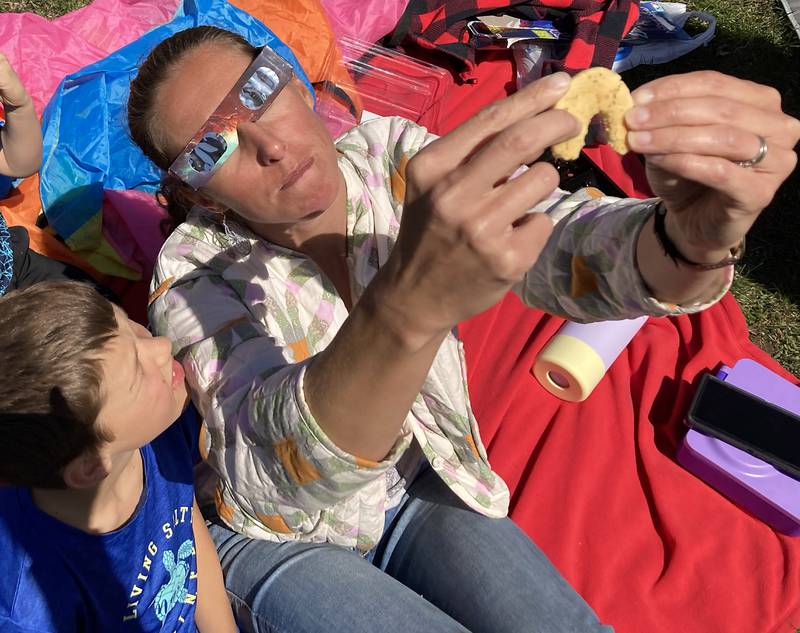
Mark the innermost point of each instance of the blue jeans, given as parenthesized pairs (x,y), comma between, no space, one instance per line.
(438,567)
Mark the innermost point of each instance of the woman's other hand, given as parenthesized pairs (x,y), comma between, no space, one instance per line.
(693,128)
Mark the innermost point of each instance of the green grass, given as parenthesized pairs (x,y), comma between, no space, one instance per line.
(47,8)
(754,41)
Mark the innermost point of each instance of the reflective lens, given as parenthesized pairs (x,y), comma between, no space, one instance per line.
(207,152)
(258,88)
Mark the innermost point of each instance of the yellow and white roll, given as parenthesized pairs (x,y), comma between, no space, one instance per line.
(573,363)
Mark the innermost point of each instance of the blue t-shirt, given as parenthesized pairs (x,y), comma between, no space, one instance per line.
(141,577)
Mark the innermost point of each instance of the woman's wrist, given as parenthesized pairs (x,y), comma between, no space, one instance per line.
(669,281)
(687,252)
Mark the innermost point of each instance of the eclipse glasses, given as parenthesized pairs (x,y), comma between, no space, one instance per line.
(217,138)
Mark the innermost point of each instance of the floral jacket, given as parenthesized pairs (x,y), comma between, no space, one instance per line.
(246,316)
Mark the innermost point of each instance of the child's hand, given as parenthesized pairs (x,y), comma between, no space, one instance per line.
(12,92)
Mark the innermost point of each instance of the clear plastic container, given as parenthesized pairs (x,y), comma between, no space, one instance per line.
(384,81)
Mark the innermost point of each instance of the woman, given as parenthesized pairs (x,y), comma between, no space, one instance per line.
(312,292)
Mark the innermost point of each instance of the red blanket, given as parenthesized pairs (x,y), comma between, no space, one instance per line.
(651,547)
(596,484)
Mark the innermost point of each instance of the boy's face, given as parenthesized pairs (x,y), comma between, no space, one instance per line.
(144,390)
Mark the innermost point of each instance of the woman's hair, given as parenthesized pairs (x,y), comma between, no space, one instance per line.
(143,121)
(52,336)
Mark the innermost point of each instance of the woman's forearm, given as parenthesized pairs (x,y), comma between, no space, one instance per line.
(361,387)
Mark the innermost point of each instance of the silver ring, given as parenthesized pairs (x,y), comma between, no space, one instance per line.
(762,152)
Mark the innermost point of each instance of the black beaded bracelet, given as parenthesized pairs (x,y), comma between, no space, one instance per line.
(671,251)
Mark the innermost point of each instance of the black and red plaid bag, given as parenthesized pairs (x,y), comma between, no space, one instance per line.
(597,26)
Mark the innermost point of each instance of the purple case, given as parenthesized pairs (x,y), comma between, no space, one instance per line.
(750,482)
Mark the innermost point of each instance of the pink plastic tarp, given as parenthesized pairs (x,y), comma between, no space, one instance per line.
(44,51)
(368,21)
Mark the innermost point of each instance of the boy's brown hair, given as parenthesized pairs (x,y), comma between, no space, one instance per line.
(51,338)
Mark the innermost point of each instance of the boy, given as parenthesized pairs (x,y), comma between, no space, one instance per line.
(99,530)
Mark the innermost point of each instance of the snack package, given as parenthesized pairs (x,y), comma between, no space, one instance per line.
(504,31)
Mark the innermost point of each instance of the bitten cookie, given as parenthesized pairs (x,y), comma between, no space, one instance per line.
(595,91)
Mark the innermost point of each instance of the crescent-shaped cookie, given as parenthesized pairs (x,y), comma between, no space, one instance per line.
(595,91)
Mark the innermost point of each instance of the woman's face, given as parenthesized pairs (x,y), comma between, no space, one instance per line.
(284,171)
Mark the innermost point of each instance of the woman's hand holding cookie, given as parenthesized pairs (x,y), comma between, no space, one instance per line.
(703,135)
(466,236)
